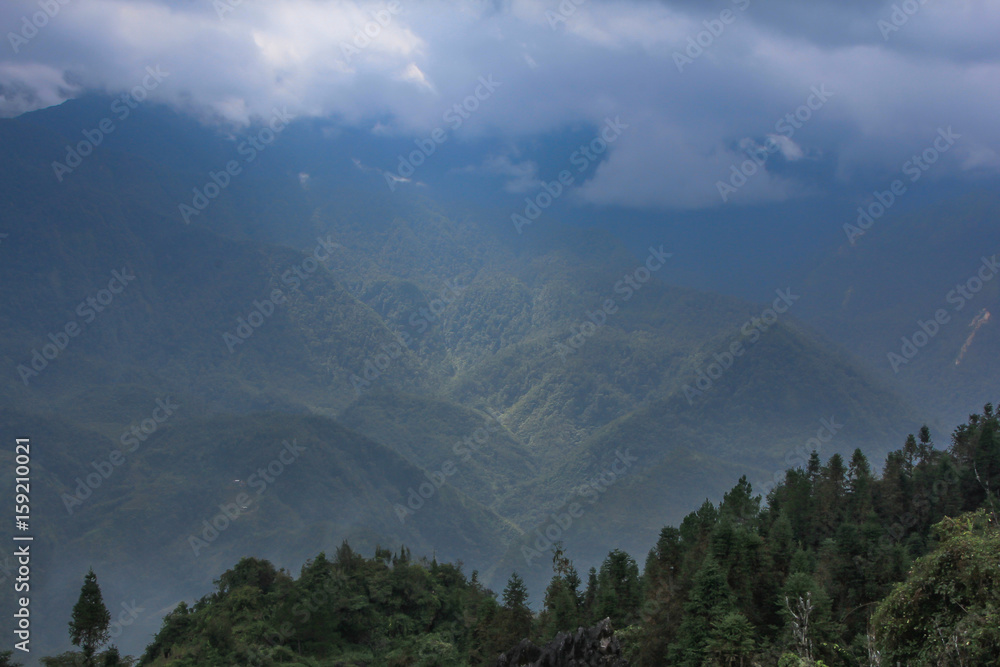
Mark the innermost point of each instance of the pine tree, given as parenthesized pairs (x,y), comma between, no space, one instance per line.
(814,466)
(516,616)
(590,597)
(618,593)
(560,611)
(709,601)
(560,608)
(662,607)
(732,641)
(88,628)
(926,448)
(740,505)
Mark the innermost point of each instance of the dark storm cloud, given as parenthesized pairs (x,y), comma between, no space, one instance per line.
(559,65)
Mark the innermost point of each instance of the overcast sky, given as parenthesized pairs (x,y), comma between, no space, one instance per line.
(559,66)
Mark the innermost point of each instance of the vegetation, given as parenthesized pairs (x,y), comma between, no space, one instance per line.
(838,567)
(387,609)
(6,660)
(89,629)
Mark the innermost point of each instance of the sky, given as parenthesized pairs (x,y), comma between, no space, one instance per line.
(823,93)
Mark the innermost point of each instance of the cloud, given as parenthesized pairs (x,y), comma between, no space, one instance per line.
(363,64)
(520,177)
(29,86)
(790,150)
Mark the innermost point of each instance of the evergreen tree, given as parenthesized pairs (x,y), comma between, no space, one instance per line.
(88,628)
(618,592)
(732,641)
(813,467)
(561,607)
(662,605)
(925,450)
(709,601)
(739,505)
(830,492)
(589,611)
(559,612)
(573,582)
(516,617)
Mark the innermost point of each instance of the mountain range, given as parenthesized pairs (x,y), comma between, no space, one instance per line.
(313,358)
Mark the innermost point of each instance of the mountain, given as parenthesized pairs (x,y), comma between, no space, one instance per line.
(457,386)
(916,297)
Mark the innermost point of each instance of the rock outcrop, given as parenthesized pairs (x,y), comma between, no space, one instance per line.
(587,647)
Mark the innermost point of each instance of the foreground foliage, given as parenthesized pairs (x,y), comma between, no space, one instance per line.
(349,610)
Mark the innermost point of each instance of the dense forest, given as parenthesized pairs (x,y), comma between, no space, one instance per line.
(837,566)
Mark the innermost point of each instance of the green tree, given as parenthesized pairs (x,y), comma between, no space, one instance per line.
(739,505)
(662,607)
(561,607)
(947,611)
(618,592)
(709,601)
(590,597)
(6,660)
(89,625)
(112,658)
(732,640)
(559,611)
(515,615)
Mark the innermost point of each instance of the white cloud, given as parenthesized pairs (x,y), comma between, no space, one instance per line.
(790,150)
(609,57)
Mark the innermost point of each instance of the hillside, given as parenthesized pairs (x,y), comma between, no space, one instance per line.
(330,307)
(909,267)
